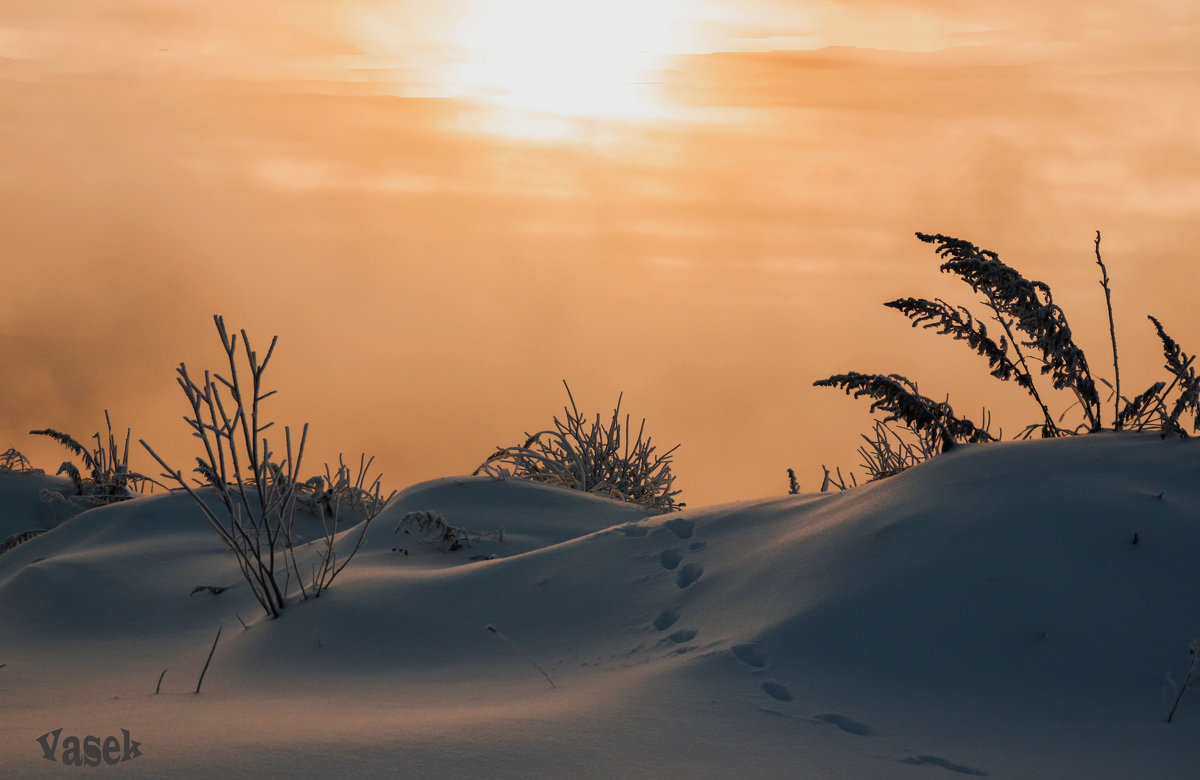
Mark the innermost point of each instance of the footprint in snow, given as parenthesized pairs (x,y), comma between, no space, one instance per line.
(680,527)
(634,529)
(846,724)
(666,619)
(944,764)
(776,691)
(683,635)
(689,574)
(750,654)
(670,558)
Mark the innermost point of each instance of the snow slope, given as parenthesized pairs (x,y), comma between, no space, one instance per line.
(983,614)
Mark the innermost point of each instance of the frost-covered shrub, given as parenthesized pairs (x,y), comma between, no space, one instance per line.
(431,529)
(258,494)
(593,457)
(108,478)
(12,460)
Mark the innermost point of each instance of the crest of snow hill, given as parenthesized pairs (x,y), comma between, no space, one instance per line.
(993,578)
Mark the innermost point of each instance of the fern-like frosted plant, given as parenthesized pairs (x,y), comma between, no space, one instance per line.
(12,460)
(108,476)
(1016,303)
(595,458)
(902,401)
(1154,404)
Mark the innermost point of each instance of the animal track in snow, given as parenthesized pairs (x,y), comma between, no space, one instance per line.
(776,691)
(666,619)
(750,654)
(848,725)
(670,558)
(689,574)
(944,764)
(683,635)
(680,527)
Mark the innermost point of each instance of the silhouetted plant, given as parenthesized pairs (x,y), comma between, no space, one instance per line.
(258,495)
(887,452)
(900,398)
(1025,307)
(12,460)
(108,476)
(1018,305)
(594,458)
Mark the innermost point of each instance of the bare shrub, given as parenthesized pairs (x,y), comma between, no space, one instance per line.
(257,494)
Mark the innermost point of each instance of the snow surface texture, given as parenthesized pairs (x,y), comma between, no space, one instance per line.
(984,614)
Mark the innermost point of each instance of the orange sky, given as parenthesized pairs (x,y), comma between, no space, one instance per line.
(445,213)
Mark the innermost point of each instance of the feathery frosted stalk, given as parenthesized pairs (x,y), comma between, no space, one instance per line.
(900,398)
(1031,308)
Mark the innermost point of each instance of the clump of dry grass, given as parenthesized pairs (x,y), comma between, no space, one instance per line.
(1034,331)
(108,476)
(593,457)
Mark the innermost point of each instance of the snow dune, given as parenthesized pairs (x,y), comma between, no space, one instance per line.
(984,614)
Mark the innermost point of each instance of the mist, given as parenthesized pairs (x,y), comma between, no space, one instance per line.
(710,265)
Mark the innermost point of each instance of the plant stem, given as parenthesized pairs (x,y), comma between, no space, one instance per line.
(1112,334)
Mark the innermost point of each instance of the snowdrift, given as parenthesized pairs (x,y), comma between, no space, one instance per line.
(1007,610)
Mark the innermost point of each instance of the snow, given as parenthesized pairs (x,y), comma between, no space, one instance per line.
(983,614)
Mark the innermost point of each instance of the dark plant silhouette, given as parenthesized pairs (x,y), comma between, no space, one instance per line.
(107,466)
(1035,330)
(259,496)
(595,458)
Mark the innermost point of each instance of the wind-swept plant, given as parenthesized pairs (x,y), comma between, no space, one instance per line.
(1020,306)
(12,460)
(902,401)
(1035,330)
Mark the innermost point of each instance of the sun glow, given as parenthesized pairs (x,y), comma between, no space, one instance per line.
(560,63)
(569,58)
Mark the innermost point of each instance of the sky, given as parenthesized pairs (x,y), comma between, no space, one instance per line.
(445,210)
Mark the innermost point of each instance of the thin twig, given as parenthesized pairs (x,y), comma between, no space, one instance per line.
(1112,333)
(492,629)
(206,663)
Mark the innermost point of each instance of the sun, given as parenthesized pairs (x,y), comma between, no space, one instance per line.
(563,57)
(555,62)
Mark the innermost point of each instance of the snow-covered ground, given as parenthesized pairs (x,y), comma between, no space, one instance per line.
(984,614)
